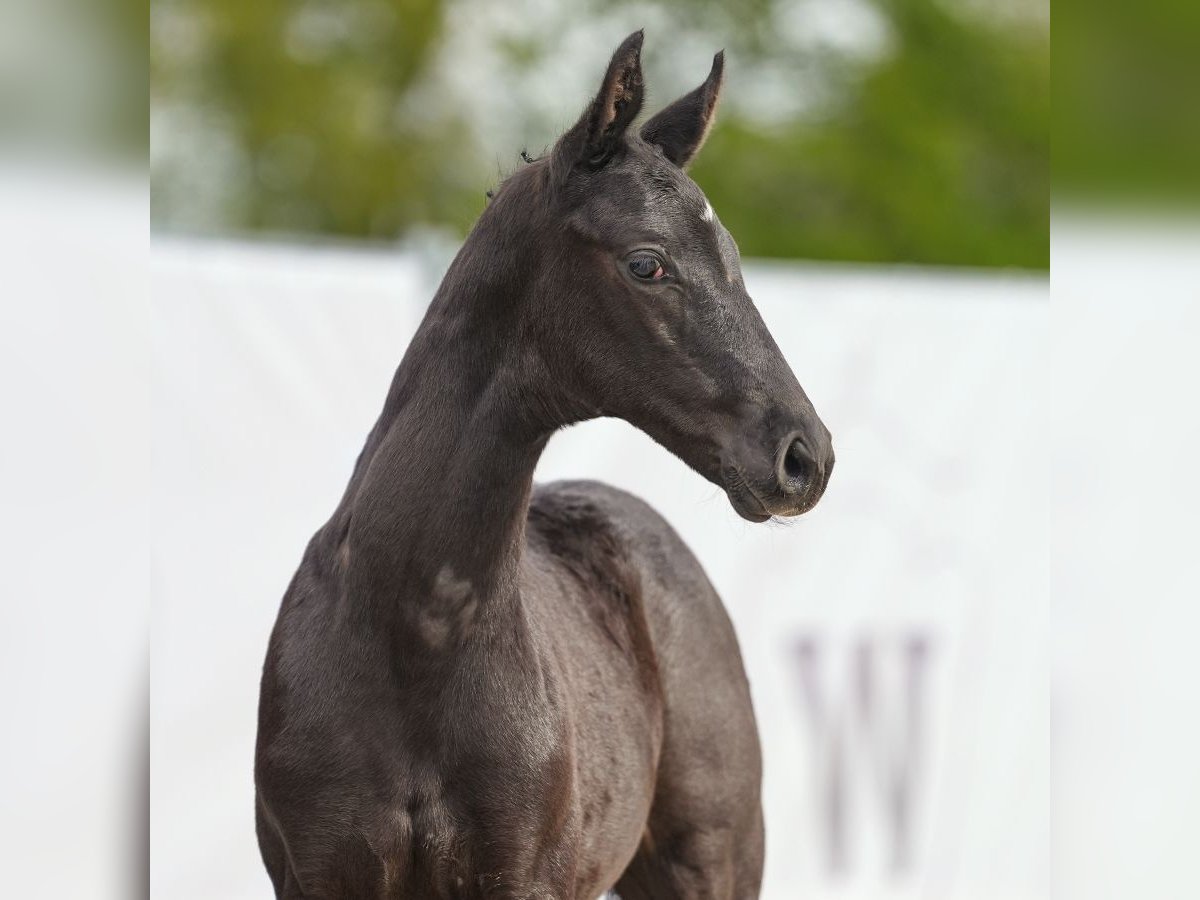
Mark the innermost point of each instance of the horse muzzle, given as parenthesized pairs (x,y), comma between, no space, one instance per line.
(787,482)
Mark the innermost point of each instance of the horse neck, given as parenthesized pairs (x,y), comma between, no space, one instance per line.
(439,497)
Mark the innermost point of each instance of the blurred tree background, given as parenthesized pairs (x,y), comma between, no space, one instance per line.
(861,130)
(1125,127)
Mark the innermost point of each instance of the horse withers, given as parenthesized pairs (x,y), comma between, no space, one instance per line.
(479,688)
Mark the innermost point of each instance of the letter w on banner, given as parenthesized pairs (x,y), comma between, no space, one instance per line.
(866,709)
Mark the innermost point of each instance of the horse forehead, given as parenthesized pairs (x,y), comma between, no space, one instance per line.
(678,201)
(664,199)
(684,192)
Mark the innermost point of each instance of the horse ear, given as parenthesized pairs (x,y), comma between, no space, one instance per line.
(595,137)
(681,128)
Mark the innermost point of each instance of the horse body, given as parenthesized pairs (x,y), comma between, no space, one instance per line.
(479,689)
(516,776)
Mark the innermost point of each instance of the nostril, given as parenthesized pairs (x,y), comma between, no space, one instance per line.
(797,465)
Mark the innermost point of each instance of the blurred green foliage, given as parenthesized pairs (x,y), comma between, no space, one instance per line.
(316,117)
(1126,125)
(942,156)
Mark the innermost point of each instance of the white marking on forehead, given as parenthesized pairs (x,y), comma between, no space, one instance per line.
(707,215)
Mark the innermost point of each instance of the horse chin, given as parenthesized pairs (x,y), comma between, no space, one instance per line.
(746,504)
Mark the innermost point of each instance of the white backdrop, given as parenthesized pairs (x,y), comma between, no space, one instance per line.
(271,363)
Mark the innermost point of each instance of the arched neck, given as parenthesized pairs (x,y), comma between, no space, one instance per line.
(442,488)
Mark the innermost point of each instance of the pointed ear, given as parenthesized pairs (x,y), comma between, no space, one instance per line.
(681,128)
(595,137)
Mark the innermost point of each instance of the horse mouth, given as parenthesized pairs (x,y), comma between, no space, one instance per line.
(743,500)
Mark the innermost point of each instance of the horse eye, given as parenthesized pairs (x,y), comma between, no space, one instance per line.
(646,267)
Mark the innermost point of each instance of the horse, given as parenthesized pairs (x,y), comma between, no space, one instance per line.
(481,688)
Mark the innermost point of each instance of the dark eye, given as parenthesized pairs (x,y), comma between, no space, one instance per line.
(646,267)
